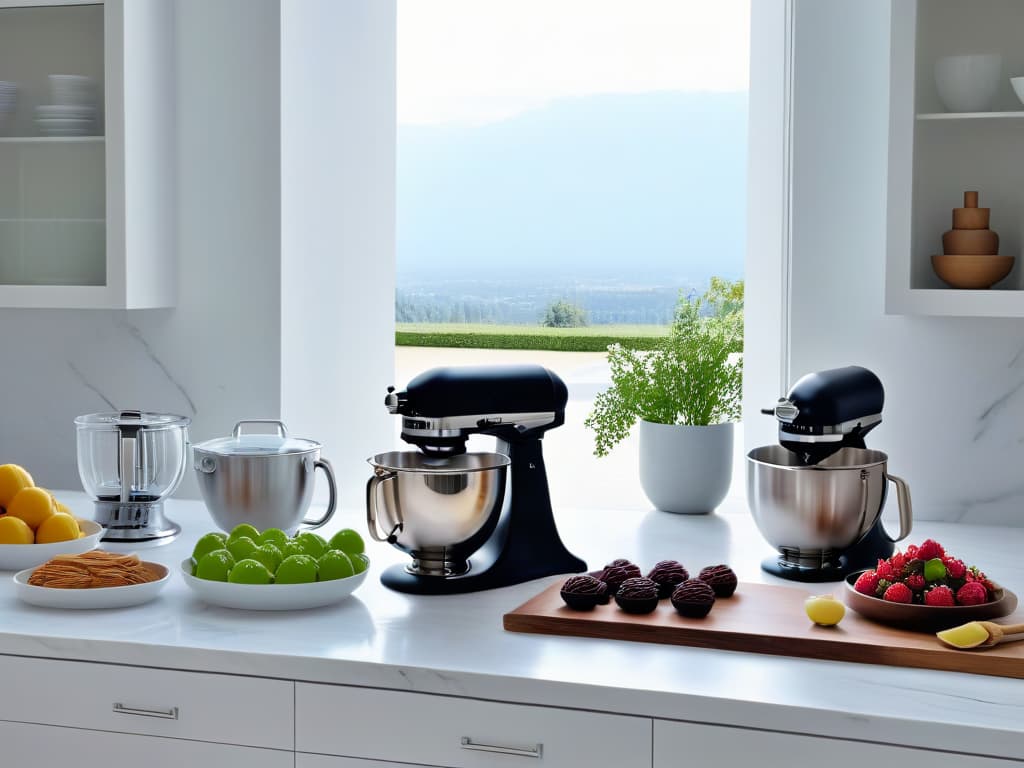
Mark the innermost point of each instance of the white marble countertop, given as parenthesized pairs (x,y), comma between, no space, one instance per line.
(456,645)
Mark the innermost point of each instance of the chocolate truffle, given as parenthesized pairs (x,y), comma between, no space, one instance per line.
(720,578)
(693,598)
(637,595)
(667,574)
(613,575)
(582,593)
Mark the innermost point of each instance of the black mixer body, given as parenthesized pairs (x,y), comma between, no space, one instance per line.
(440,409)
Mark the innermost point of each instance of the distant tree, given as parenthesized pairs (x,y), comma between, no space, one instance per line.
(564,314)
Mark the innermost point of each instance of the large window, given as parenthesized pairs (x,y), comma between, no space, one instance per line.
(570,162)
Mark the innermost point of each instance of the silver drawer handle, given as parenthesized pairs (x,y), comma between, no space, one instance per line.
(166,714)
(535,751)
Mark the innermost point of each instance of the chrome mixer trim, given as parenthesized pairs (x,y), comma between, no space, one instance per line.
(455,426)
(830,434)
(786,411)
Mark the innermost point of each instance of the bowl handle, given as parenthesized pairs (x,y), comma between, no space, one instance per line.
(372,485)
(332,500)
(903,501)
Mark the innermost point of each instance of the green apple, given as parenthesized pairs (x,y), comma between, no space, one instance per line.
(334,564)
(347,541)
(274,536)
(824,610)
(244,529)
(269,555)
(312,544)
(215,566)
(242,547)
(360,562)
(208,543)
(297,569)
(291,547)
(250,571)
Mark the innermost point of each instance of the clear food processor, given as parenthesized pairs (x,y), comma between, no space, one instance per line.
(129,462)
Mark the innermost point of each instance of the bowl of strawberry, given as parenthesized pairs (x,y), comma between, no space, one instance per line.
(926,588)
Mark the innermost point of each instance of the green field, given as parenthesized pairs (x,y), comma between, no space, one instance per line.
(594,338)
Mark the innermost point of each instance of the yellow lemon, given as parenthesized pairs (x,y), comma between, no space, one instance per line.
(33,505)
(14,531)
(61,507)
(12,479)
(57,527)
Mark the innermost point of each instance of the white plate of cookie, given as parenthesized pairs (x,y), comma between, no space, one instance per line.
(95,579)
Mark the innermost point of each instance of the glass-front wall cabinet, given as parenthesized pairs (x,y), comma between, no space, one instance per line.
(52,146)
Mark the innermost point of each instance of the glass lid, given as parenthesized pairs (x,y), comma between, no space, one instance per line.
(145,419)
(258,443)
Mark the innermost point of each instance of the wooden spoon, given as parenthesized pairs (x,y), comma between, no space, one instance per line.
(980,634)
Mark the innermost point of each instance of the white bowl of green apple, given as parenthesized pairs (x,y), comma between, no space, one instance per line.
(270,571)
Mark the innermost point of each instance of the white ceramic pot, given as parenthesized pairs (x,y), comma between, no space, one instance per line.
(685,469)
(968,83)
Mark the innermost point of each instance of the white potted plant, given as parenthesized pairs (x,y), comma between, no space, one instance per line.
(685,394)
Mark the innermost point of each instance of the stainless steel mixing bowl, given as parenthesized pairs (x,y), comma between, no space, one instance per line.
(439,510)
(808,510)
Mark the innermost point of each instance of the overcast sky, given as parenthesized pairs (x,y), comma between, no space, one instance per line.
(479,61)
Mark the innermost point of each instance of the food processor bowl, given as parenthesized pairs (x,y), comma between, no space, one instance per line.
(129,462)
(438,510)
(812,512)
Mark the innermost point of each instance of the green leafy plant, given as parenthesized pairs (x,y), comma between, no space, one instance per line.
(564,314)
(693,376)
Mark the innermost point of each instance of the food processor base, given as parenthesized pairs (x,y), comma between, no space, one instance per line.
(134,522)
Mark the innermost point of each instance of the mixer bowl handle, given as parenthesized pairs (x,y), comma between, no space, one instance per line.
(903,501)
(332,490)
(372,486)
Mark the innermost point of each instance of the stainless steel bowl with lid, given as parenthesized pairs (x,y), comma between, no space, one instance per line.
(265,480)
(439,510)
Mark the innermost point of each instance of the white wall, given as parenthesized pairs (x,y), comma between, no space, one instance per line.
(286,248)
(954,387)
(216,356)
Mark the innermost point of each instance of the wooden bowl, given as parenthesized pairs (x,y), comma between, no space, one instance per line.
(971,271)
(970,241)
(926,618)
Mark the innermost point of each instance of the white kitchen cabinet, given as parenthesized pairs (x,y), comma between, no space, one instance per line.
(42,746)
(462,733)
(189,705)
(686,744)
(87,154)
(304,760)
(935,156)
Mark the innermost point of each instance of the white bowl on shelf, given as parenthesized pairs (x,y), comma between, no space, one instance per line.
(15,557)
(968,83)
(271,597)
(1018,87)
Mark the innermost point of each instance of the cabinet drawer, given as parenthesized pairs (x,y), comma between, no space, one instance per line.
(685,744)
(462,733)
(303,760)
(33,746)
(156,702)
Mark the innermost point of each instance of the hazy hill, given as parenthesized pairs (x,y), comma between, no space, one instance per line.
(640,187)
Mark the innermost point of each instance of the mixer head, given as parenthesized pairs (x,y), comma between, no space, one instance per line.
(442,407)
(829,410)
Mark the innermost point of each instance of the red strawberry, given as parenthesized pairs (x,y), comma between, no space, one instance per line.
(929,550)
(898,561)
(867,583)
(898,593)
(972,593)
(939,596)
(912,552)
(955,569)
(915,581)
(886,571)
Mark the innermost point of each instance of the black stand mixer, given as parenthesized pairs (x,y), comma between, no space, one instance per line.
(442,505)
(818,495)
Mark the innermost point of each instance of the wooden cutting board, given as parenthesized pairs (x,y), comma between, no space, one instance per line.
(762,618)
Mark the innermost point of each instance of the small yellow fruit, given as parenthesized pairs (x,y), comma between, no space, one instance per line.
(57,527)
(14,531)
(824,610)
(62,507)
(12,479)
(33,505)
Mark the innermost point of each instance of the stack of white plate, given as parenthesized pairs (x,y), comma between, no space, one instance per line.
(8,97)
(73,111)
